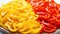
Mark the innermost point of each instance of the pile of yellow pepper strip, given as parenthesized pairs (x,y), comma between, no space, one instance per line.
(18,16)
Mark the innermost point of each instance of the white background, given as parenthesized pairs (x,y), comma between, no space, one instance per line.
(4,2)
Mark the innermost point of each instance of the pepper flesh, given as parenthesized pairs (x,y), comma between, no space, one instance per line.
(49,13)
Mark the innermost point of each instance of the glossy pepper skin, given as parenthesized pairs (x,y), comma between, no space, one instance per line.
(49,13)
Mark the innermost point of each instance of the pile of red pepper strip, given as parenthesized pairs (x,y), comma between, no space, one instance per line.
(49,14)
